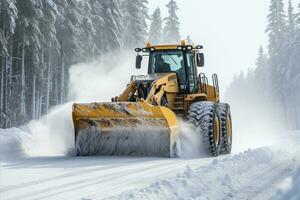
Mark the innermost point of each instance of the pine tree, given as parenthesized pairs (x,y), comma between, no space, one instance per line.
(135,13)
(50,43)
(171,29)
(293,74)
(261,72)
(276,27)
(98,23)
(9,14)
(87,31)
(261,59)
(30,38)
(278,46)
(291,21)
(155,32)
(68,32)
(107,20)
(297,16)
(112,25)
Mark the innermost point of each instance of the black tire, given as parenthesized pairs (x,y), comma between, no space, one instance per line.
(226,127)
(206,115)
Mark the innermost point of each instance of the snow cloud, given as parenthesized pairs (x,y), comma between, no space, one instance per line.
(98,80)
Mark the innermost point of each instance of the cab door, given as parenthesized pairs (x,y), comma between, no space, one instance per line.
(191,71)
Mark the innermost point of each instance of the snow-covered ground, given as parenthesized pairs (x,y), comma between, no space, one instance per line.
(270,172)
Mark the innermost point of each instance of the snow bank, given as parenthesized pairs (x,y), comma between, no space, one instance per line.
(14,143)
(218,180)
(291,190)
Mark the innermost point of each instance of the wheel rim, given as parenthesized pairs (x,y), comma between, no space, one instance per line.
(217,130)
(229,129)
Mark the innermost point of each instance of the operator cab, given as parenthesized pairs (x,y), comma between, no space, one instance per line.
(181,60)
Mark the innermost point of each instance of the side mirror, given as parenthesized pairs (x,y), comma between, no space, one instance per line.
(200,59)
(138,61)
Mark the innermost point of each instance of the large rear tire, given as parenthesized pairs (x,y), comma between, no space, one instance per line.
(226,125)
(206,116)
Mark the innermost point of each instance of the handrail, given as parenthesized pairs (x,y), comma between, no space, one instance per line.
(216,83)
(203,81)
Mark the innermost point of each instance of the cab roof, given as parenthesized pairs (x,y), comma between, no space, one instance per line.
(182,46)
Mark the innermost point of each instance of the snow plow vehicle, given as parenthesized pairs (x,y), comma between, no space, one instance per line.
(144,119)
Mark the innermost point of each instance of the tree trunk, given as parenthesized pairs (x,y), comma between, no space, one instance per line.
(40,105)
(33,99)
(10,66)
(41,85)
(4,92)
(62,80)
(37,106)
(2,111)
(8,85)
(6,74)
(23,105)
(49,79)
(2,85)
(56,93)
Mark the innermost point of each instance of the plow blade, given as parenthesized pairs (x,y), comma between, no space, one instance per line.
(123,128)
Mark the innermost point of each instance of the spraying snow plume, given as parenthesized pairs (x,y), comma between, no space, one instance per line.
(98,80)
(189,142)
(102,79)
(52,134)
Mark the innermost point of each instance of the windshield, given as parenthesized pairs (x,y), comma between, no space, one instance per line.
(166,61)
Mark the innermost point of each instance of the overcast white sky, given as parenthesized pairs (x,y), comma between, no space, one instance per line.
(231,31)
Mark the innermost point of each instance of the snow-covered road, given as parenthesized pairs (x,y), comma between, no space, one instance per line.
(69,178)
(253,174)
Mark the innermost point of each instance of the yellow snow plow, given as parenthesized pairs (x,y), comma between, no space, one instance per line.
(143,120)
(122,128)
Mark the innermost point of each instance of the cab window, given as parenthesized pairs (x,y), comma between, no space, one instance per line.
(191,70)
(168,61)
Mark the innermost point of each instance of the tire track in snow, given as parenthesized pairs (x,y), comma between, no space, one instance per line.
(131,178)
(77,172)
(54,178)
(84,182)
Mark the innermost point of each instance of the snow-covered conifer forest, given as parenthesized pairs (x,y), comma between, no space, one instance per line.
(41,39)
(275,81)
